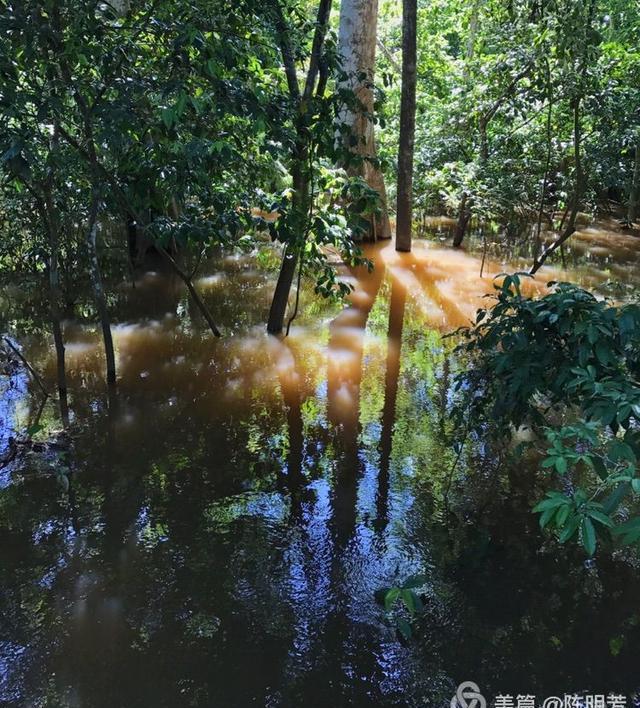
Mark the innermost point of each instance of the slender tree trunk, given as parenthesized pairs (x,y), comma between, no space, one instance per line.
(186,279)
(404,219)
(52,225)
(537,242)
(634,193)
(302,200)
(278,308)
(357,47)
(577,193)
(56,327)
(98,291)
(474,22)
(290,257)
(484,142)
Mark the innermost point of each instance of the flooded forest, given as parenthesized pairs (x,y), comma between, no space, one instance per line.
(319,353)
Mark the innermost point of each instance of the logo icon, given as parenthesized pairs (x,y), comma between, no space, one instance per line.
(468,696)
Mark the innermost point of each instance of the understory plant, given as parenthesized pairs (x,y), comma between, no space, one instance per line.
(565,365)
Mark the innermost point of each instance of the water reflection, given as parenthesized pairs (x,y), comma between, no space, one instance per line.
(231,518)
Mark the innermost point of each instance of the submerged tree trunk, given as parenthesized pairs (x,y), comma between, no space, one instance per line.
(56,327)
(404,219)
(98,291)
(634,193)
(278,308)
(464,217)
(302,199)
(577,192)
(290,257)
(48,214)
(357,47)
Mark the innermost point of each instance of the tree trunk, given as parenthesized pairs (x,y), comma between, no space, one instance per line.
(357,47)
(302,200)
(471,37)
(278,309)
(577,193)
(56,327)
(404,217)
(98,292)
(464,217)
(49,216)
(634,193)
(537,244)
(484,142)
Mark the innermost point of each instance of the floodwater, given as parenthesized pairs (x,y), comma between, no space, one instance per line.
(231,513)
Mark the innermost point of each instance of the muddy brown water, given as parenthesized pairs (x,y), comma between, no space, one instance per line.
(234,509)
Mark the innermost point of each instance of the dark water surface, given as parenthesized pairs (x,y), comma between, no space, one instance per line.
(233,510)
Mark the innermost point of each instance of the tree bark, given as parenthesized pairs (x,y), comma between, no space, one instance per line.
(634,193)
(290,257)
(98,290)
(464,217)
(404,218)
(357,47)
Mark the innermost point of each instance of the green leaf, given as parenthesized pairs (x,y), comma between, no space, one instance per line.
(615,645)
(588,536)
(404,628)
(408,599)
(601,518)
(553,501)
(570,529)
(612,502)
(547,515)
(168,117)
(562,515)
(561,465)
(390,598)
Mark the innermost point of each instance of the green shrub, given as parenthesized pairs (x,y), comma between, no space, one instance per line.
(567,365)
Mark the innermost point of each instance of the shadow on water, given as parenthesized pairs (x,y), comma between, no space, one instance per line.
(232,514)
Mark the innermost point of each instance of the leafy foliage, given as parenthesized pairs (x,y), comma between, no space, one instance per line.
(496,82)
(567,365)
(403,603)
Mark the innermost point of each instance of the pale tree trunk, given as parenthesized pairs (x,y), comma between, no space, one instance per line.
(404,217)
(634,193)
(357,47)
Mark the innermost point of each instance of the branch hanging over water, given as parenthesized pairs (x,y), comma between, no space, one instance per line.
(27,365)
